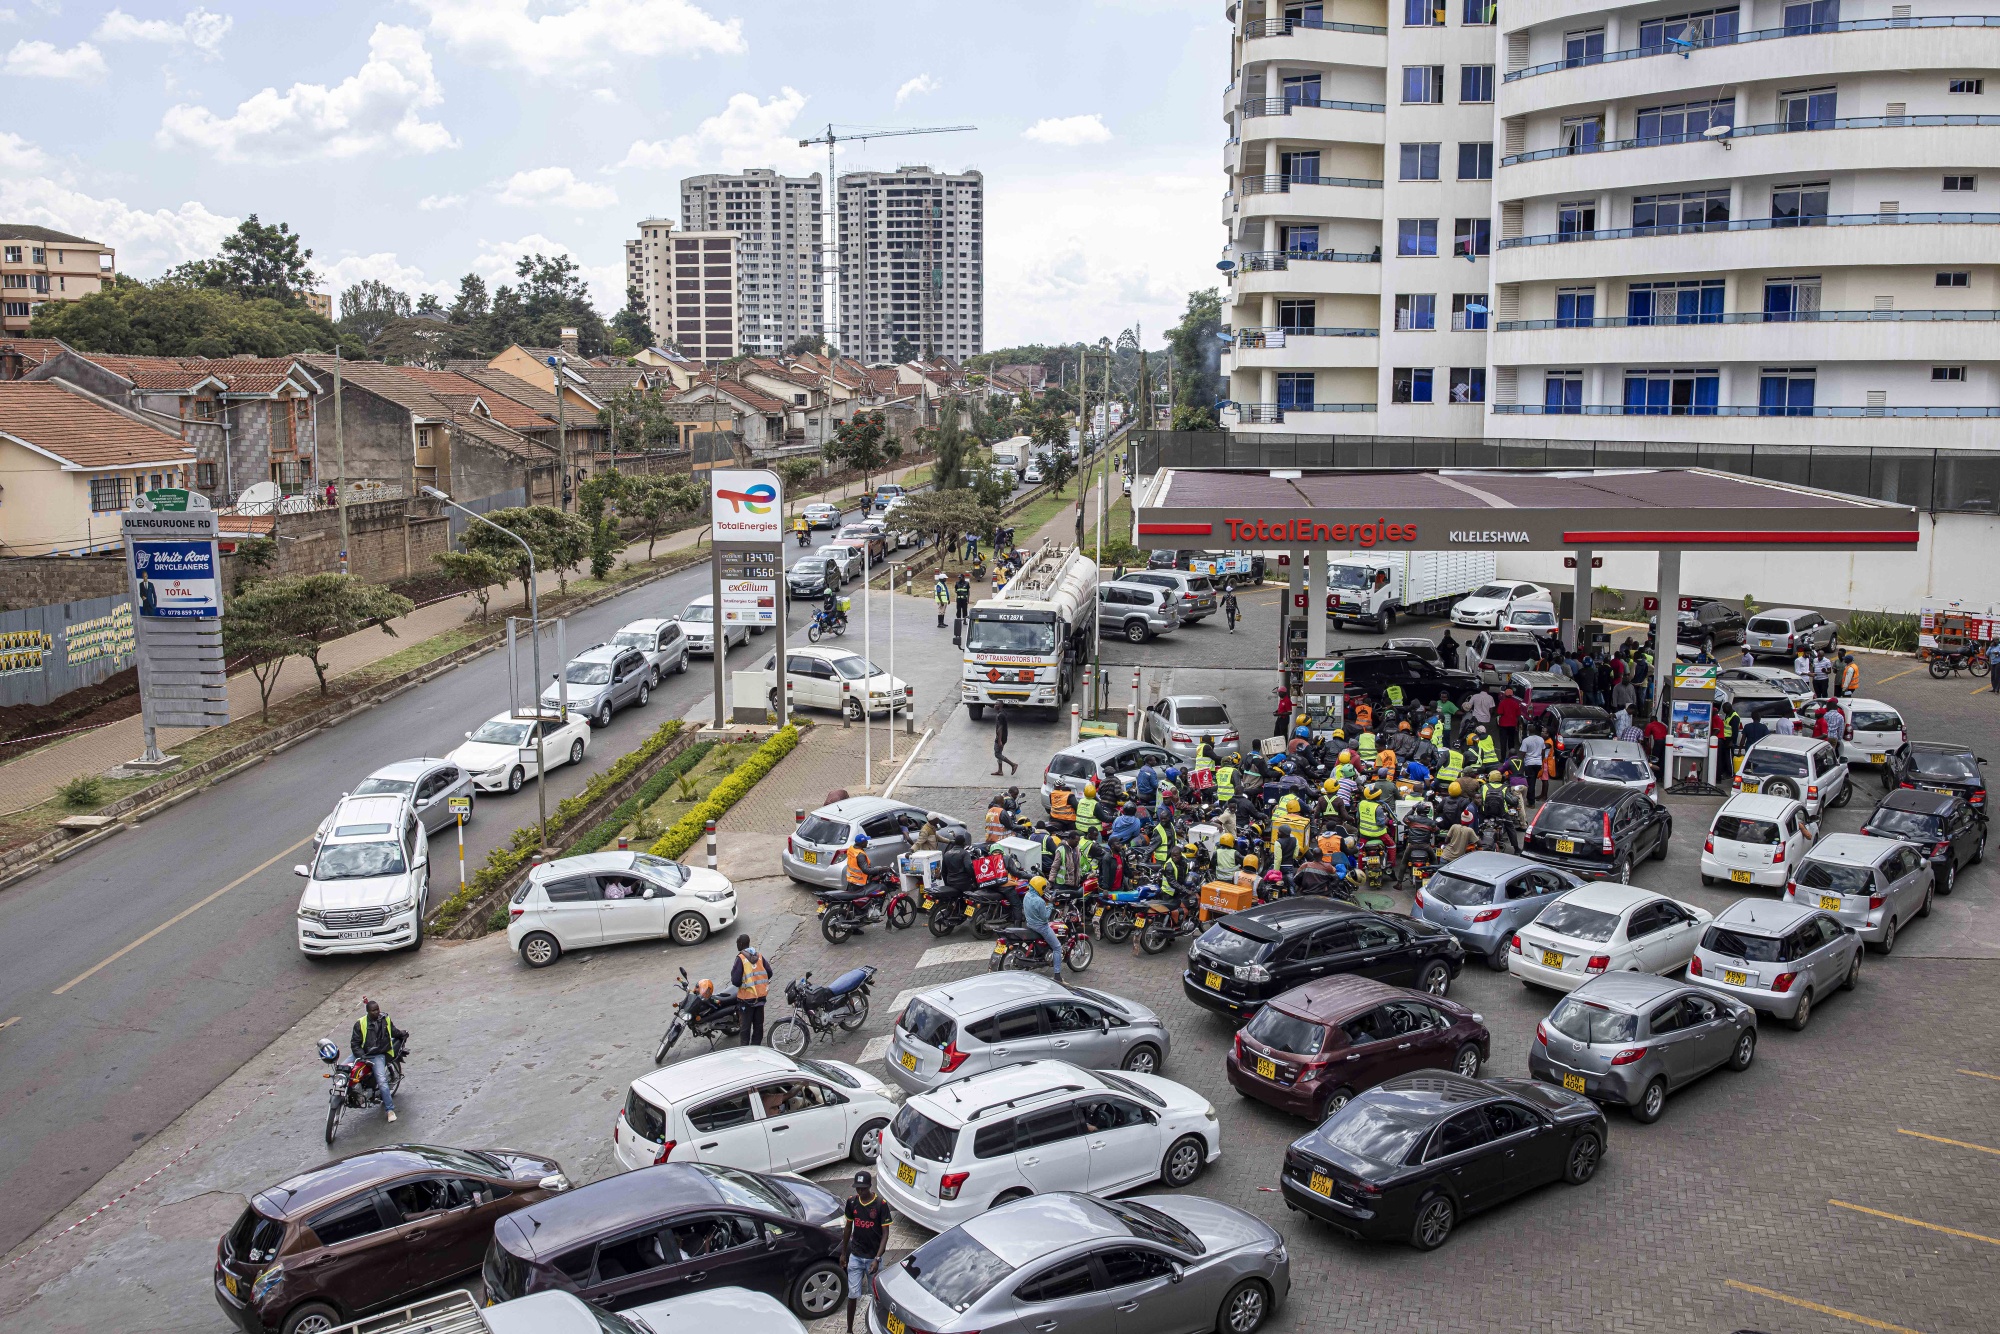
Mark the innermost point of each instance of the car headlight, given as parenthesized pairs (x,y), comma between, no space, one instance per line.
(267,1282)
(1208,1112)
(312,915)
(716,895)
(1278,1254)
(401,905)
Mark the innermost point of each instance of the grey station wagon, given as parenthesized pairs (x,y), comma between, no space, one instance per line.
(968,1027)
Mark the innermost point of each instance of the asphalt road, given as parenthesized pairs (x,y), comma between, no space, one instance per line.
(142,973)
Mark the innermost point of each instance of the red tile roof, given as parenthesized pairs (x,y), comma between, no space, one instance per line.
(80,429)
(503,409)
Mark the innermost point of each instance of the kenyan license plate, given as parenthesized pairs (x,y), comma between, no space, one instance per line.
(349,935)
(1830,902)
(927,901)
(1878,758)
(909,1060)
(1214,981)
(1740,877)
(1267,1067)
(970,910)
(1574,1083)
(1319,1183)
(811,858)
(1763,643)
(822,910)
(891,1322)
(229,1281)
(1735,979)
(1550,959)
(1565,845)
(906,1174)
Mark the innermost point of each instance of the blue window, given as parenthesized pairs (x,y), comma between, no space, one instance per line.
(1674,303)
(1299,240)
(1468,384)
(1809,109)
(1576,307)
(1423,84)
(1684,32)
(1583,48)
(1417,236)
(1475,83)
(1302,89)
(1469,310)
(1562,393)
(1472,236)
(1304,16)
(1481,13)
(1419,162)
(1295,390)
(1412,384)
(1475,162)
(1789,300)
(1670,393)
(1300,168)
(1785,392)
(1682,122)
(1576,217)
(1416,311)
(1813,16)
(1423,13)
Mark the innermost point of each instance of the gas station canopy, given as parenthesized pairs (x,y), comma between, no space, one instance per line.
(1503,509)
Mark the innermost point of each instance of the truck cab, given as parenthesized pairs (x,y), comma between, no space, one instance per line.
(1360,589)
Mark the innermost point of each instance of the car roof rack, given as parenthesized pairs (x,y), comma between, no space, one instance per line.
(1013,1103)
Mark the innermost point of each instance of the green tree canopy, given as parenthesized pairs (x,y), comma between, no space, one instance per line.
(367,307)
(863,444)
(163,320)
(1197,353)
(300,614)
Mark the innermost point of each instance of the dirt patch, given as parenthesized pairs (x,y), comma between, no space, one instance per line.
(112,698)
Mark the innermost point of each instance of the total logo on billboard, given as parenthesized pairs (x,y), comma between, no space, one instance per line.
(746,505)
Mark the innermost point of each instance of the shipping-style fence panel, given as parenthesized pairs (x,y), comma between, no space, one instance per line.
(46,652)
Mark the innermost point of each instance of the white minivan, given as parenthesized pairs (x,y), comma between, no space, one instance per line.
(1756,840)
(366,883)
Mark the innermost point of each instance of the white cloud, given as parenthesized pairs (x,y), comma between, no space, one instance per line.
(584,36)
(147,242)
(744,133)
(382,266)
(556,187)
(432,203)
(1069,131)
(374,110)
(200,29)
(40,60)
(17,154)
(604,94)
(923,83)
(496,260)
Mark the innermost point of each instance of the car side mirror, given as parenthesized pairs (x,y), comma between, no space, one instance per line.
(302,871)
(468,736)
(1180,1271)
(648,894)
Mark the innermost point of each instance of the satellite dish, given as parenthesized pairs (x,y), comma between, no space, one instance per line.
(1226,265)
(258,498)
(1717,131)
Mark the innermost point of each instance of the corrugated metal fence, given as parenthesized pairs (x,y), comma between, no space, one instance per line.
(46,652)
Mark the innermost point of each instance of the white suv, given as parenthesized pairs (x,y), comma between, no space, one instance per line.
(366,884)
(1875,733)
(1803,768)
(609,898)
(753,1108)
(958,1150)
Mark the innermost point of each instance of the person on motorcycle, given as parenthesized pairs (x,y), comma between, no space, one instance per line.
(1496,808)
(1374,817)
(829,609)
(1146,787)
(1459,839)
(1035,913)
(999,818)
(1062,806)
(379,1042)
(956,866)
(1315,877)
(1225,857)
(801,531)
(1246,871)
(1065,865)
(1486,753)
(1089,811)
(1126,825)
(1225,780)
(1291,815)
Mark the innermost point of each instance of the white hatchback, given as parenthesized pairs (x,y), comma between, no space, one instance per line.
(1605,928)
(1875,731)
(1756,840)
(503,754)
(366,884)
(753,1108)
(610,898)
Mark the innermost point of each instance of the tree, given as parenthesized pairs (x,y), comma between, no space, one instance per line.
(164,320)
(862,444)
(658,499)
(814,343)
(245,634)
(795,473)
(950,442)
(369,306)
(298,615)
(559,540)
(596,500)
(1197,354)
(639,422)
(430,308)
(471,304)
(260,261)
(1058,466)
(476,572)
(903,350)
(630,324)
(943,516)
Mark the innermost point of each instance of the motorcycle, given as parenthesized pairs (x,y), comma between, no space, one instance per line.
(354,1086)
(989,908)
(823,622)
(1022,947)
(1164,921)
(883,899)
(1949,663)
(1117,911)
(714,1018)
(818,1011)
(1377,863)
(1419,859)
(944,908)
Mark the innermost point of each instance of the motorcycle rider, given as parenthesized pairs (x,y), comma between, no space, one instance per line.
(751,977)
(1035,913)
(829,606)
(956,866)
(1066,866)
(379,1042)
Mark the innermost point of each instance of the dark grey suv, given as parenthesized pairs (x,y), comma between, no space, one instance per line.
(601,680)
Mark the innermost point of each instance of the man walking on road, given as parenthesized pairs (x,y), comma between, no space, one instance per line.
(1000,760)
(862,1240)
(1229,607)
(751,977)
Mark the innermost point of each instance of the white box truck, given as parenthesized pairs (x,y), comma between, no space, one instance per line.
(1376,587)
(1013,454)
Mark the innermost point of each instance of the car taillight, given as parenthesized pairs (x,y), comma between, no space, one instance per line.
(1486,916)
(1629,1055)
(1541,1034)
(1784,981)
(665,1149)
(1485,666)
(1609,846)
(1515,944)
(1812,789)
(1694,966)
(1940,849)
(1737,782)
(1239,1044)
(1417,901)
(1977,798)
(1649,789)
(953,1058)
(790,846)
(1182,738)
(1598,963)
(1777,854)
(1975,795)
(1875,901)
(949,1183)
(515,910)
(1708,844)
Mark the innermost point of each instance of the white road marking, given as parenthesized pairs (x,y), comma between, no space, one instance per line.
(896,1006)
(965,952)
(890,790)
(876,1049)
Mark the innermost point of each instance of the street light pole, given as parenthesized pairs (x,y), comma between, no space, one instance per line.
(535,649)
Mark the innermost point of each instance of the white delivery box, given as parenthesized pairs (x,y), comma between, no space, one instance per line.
(1025,853)
(1205,834)
(920,870)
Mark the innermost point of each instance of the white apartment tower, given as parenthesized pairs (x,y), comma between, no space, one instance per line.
(777,223)
(912,263)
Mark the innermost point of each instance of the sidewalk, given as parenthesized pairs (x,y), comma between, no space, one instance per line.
(34,778)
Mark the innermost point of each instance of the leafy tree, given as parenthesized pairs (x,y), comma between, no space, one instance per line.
(415,342)
(863,444)
(260,261)
(476,572)
(596,502)
(658,499)
(1057,400)
(254,559)
(992,492)
(300,614)
(165,320)
(621,346)
(630,322)
(638,421)
(369,306)
(903,350)
(247,634)
(795,474)
(942,516)
(1058,466)
(472,303)
(559,540)
(1197,354)
(429,307)
(1048,427)
(814,343)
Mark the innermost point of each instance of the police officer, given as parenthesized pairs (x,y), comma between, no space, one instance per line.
(942,592)
(1487,754)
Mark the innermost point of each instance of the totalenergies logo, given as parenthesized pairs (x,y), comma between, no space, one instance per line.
(757,499)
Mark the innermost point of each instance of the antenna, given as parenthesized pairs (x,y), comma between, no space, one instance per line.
(830,242)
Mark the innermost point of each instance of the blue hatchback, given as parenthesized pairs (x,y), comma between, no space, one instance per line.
(1484,897)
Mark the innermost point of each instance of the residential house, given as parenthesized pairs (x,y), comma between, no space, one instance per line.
(70,461)
(18,356)
(756,420)
(1033,377)
(38,266)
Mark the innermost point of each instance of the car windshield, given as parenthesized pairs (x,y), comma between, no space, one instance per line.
(1770,625)
(1581,1021)
(1348,577)
(1890,821)
(504,732)
(1493,591)
(1153,1225)
(814,568)
(923,1137)
(636,639)
(588,673)
(854,667)
(358,861)
(1578,922)
(1459,892)
(1615,769)
(827,833)
(1378,1133)
(1506,650)
(700,613)
(1762,763)
(1201,715)
(1534,618)
(1742,829)
(1877,720)
(955,1269)
(840,554)
(1836,878)
(831,1073)
(1229,945)
(255,1238)
(1286,1032)
(741,1188)
(1741,945)
(1562,818)
(1124,1085)
(990,635)
(383,787)
(1946,768)
(1586,725)
(925,1023)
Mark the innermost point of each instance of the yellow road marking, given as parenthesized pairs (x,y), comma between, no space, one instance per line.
(5,1023)
(1916,1222)
(1803,1304)
(1979,1074)
(182,915)
(1887,679)
(1940,1139)
(1982,688)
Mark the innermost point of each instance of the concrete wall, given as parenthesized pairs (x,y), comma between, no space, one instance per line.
(379,441)
(388,540)
(39,581)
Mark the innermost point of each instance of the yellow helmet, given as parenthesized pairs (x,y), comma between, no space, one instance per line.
(1191,848)
(1227,841)
(1340,733)
(1090,789)
(1493,774)
(1456,790)
(1329,786)
(1250,861)
(1346,756)
(1291,805)
(1038,884)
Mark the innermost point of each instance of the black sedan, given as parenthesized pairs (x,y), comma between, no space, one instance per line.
(1407,1159)
(1941,766)
(1948,830)
(1252,956)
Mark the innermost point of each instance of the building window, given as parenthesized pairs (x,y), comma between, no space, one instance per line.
(1417,237)
(1799,205)
(1300,168)
(1683,211)
(1562,393)
(1419,162)
(1295,390)
(204,475)
(1481,13)
(1790,300)
(1576,307)
(1696,302)
(1469,311)
(1961,184)
(13,254)
(1785,391)
(1947,374)
(204,409)
(1423,84)
(1299,240)
(1472,237)
(1302,90)
(1468,384)
(1576,217)
(1583,48)
(1297,316)
(1416,311)
(108,494)
(1684,393)
(1582,134)
(1423,13)
(1967,87)
(1811,16)
(1412,384)
(1475,162)
(1808,109)
(1683,122)
(16,310)
(1475,83)
(1959,278)
(1683,32)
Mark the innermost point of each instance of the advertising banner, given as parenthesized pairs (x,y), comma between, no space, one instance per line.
(177,580)
(745,505)
(1688,730)
(749,602)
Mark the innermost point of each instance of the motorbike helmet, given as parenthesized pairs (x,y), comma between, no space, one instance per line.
(1038,884)
(861,840)
(1090,789)
(1302,733)
(1330,785)
(1226,841)
(704,988)
(1174,774)
(1494,775)
(1339,734)
(1456,790)
(1479,730)
(328,1052)
(1346,756)
(1426,733)
(1291,805)
(1250,861)
(1191,848)
(1403,726)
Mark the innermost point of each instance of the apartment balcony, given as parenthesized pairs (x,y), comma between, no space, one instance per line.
(1322,273)
(1304,349)
(1748,425)
(1324,121)
(1315,197)
(1818,337)
(1776,245)
(1853,143)
(1323,43)
(1306,419)
(1804,54)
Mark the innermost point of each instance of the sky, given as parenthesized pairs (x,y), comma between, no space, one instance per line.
(416,140)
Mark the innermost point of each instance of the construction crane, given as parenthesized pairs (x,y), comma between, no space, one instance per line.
(830,245)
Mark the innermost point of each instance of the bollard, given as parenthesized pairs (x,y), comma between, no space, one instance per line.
(910,711)
(1131,722)
(623,843)
(711,844)
(1073,724)
(798,815)
(846,721)
(1133,712)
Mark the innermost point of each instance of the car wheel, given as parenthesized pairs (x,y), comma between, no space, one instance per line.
(1584,1156)
(1780,787)
(645,693)
(682,665)
(539,949)
(1623,873)
(1183,1161)
(819,1291)
(1887,944)
(1497,960)
(867,1145)
(1244,1309)
(1436,977)
(1338,1099)
(1135,631)
(689,928)
(1745,1050)
(1143,1059)
(975,711)
(1853,977)
(576,751)
(1708,881)
(516,778)
(603,718)
(1435,1219)
(1924,910)
(1466,1062)
(1651,1103)
(312,1318)
(1947,883)
(1846,795)
(1979,853)
(851,708)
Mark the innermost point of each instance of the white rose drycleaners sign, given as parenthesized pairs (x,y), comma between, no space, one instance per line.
(177,580)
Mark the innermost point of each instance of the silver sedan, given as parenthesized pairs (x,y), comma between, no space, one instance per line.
(1171,1264)
(1179,722)
(426,785)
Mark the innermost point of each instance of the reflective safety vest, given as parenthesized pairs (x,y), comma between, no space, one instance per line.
(1062,804)
(1225,783)
(1394,694)
(1728,727)
(1366,748)
(386,1023)
(1364,714)
(857,866)
(1163,843)
(1369,815)
(943,592)
(1203,759)
(996,822)
(1086,860)
(1454,765)
(1488,752)
(1329,844)
(1086,814)
(1225,863)
(756,977)
(1850,678)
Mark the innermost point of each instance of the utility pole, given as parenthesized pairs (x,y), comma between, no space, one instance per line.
(562,437)
(340,459)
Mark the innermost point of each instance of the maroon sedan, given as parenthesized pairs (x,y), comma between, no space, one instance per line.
(1316,1046)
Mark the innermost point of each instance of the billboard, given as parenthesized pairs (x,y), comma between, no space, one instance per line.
(177,580)
(749,602)
(746,505)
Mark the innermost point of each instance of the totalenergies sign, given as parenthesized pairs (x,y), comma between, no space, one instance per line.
(746,505)
(1305,530)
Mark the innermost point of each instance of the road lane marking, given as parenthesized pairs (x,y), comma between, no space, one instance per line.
(970,952)
(876,1049)
(890,790)
(1916,1222)
(9,1023)
(1803,1304)
(183,915)
(1979,1074)
(1914,1134)
(1887,679)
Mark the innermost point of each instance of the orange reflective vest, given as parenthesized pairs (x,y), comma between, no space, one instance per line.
(1061,804)
(756,978)
(857,866)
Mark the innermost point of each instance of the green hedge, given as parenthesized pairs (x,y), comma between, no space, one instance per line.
(727,793)
(629,810)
